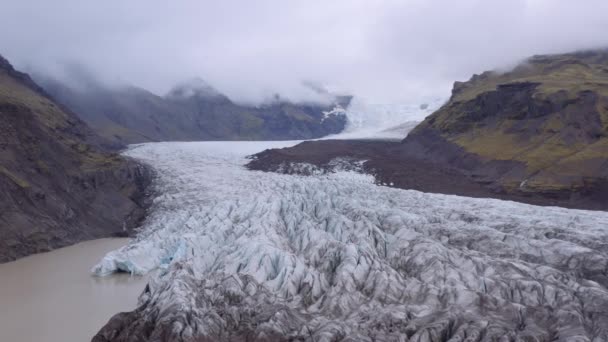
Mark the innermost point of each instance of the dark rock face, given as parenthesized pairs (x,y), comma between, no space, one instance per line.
(194,111)
(58,186)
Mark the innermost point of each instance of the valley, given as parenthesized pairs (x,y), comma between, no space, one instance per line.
(358,200)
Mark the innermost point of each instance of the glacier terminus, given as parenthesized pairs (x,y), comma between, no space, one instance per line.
(240,255)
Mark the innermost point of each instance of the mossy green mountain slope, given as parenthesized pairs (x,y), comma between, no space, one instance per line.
(541,127)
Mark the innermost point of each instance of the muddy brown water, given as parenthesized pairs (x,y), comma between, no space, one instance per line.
(53,297)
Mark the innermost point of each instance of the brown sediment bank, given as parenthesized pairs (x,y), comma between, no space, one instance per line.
(395,165)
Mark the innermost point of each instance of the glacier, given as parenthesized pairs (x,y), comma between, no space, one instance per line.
(372,120)
(240,255)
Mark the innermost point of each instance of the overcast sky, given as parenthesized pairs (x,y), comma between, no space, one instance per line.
(384,50)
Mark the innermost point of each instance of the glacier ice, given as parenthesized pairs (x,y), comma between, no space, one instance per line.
(384,120)
(248,255)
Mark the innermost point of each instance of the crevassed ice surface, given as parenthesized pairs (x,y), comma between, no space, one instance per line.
(265,256)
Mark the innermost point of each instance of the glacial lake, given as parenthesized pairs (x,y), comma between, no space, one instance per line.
(53,296)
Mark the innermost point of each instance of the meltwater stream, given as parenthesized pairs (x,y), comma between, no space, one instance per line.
(246,255)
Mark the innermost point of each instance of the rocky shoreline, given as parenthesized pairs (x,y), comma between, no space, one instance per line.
(403,165)
(102,203)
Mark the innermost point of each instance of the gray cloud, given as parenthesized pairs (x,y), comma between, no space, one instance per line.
(384,50)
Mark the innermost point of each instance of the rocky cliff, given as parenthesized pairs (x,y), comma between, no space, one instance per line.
(193,111)
(540,128)
(58,185)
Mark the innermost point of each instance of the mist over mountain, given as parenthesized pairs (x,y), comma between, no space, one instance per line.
(384,50)
(192,110)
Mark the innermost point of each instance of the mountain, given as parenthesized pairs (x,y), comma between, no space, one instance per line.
(540,128)
(536,134)
(58,184)
(193,110)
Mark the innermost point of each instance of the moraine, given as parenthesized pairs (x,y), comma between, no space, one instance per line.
(247,255)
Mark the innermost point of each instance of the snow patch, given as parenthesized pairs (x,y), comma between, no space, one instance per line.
(337,110)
